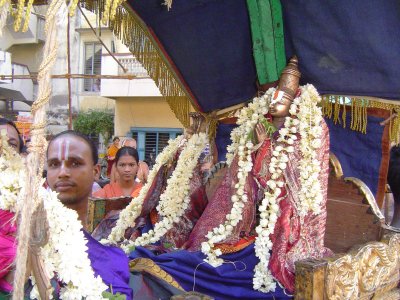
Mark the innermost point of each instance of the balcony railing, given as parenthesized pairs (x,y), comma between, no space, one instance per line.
(141,86)
(132,66)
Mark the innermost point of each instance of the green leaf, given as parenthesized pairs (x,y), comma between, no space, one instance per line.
(112,296)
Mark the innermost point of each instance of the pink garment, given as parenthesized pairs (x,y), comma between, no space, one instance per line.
(8,247)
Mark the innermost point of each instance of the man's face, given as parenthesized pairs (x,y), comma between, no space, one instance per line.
(70,169)
(13,138)
(116,142)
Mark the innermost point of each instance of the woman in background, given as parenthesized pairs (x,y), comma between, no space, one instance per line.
(127,165)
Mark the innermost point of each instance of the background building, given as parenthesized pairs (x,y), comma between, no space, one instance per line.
(139,109)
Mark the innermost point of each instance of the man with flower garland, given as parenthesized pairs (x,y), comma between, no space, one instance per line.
(71,170)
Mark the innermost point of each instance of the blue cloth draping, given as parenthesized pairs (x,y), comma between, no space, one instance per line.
(111,264)
(359,154)
(344,47)
(229,281)
(223,139)
(210,44)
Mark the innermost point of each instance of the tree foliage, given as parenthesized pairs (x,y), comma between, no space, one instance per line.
(95,122)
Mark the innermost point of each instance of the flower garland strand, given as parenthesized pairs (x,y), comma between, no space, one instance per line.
(65,252)
(269,208)
(310,117)
(242,146)
(128,215)
(13,175)
(175,199)
(307,125)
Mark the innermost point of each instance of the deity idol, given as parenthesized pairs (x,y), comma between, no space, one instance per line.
(290,220)
(270,208)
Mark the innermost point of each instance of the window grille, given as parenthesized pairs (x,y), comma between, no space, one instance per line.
(92,67)
(151,141)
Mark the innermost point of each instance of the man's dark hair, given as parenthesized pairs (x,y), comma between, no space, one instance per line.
(93,148)
(4,121)
(127,151)
(115,138)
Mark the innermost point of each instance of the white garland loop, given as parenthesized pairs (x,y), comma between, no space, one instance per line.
(175,199)
(242,146)
(128,215)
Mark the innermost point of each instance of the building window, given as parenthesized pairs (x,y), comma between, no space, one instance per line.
(151,141)
(92,67)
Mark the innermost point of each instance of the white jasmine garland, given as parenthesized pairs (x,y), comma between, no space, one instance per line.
(242,146)
(175,199)
(269,208)
(65,254)
(309,117)
(128,215)
(13,175)
(247,118)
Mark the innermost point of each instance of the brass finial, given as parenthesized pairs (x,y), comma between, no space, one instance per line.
(289,80)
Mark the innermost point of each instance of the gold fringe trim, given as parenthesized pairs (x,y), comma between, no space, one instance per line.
(127,26)
(335,107)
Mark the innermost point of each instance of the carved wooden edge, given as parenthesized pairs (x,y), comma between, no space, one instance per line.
(366,192)
(147,265)
(90,215)
(38,238)
(310,279)
(91,212)
(370,270)
(337,167)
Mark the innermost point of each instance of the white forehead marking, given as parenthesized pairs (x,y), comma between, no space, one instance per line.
(63,150)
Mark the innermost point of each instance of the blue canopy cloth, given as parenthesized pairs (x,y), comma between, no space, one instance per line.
(347,48)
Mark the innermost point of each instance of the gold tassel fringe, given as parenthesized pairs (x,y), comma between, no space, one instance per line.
(134,34)
(334,105)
